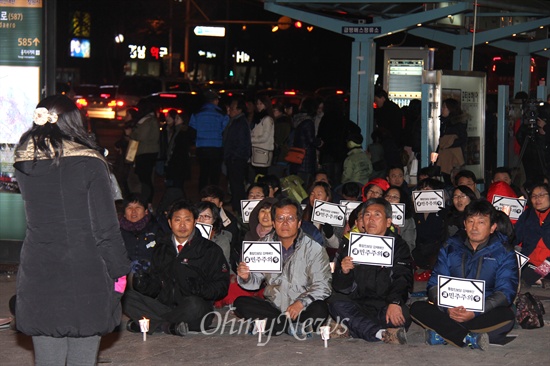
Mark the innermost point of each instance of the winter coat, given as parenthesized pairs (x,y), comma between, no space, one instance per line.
(236,139)
(455,125)
(147,132)
(73,250)
(178,165)
(263,142)
(390,118)
(529,232)
(304,137)
(333,132)
(199,269)
(357,167)
(492,262)
(305,276)
(377,286)
(209,123)
(140,244)
(283,128)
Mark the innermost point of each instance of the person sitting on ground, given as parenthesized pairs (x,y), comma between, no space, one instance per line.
(188,273)
(395,194)
(503,174)
(396,177)
(351,191)
(332,235)
(375,309)
(533,235)
(296,294)
(429,231)
(353,225)
(357,166)
(454,220)
(322,176)
(260,222)
(209,214)
(230,223)
(257,191)
(479,253)
(273,183)
(375,188)
(467,178)
(140,230)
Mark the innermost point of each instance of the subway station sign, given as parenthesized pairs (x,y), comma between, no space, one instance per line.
(21,32)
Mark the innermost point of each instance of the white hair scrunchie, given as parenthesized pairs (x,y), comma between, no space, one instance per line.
(41,116)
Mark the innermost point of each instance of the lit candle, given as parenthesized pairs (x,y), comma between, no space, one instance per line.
(325,334)
(260,328)
(144,325)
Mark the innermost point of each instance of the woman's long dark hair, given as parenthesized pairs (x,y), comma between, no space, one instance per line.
(403,198)
(69,127)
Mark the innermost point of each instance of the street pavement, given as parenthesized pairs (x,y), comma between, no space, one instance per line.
(219,347)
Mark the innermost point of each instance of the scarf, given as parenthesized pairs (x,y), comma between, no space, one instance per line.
(137,226)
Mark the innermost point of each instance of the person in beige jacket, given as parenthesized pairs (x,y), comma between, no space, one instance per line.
(263,136)
(146,132)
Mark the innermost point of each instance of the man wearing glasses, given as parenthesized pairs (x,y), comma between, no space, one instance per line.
(294,299)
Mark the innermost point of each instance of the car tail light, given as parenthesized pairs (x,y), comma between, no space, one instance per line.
(165,95)
(290,92)
(165,110)
(120,103)
(339,92)
(105,95)
(111,104)
(81,103)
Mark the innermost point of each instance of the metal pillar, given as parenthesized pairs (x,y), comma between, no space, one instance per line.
(47,84)
(425,148)
(502,125)
(542,92)
(363,60)
(522,73)
(461,59)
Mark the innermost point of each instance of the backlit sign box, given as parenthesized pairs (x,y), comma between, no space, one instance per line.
(209,31)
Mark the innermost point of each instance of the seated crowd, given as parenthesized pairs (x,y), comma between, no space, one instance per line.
(181,272)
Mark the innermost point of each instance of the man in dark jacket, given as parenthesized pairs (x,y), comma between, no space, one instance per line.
(236,151)
(188,273)
(480,254)
(388,116)
(375,306)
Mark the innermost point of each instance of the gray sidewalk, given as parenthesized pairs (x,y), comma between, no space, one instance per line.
(531,347)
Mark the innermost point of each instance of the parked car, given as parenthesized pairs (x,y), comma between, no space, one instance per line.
(82,93)
(185,103)
(104,104)
(289,97)
(132,88)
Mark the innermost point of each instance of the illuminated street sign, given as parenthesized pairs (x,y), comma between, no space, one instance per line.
(21,33)
(209,31)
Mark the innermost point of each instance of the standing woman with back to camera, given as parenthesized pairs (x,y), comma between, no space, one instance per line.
(73,250)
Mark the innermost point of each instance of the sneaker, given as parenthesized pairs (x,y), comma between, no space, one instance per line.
(477,341)
(133,327)
(299,330)
(339,331)
(432,338)
(395,336)
(180,329)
